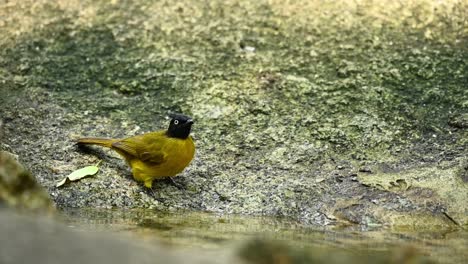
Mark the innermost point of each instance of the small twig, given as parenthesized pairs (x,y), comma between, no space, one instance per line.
(451,219)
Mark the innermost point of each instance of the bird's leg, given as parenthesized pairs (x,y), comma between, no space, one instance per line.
(177,185)
(149,185)
(154,194)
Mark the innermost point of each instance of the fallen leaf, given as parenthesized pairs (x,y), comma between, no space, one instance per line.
(80,174)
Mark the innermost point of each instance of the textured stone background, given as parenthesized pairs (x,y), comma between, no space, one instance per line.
(322,111)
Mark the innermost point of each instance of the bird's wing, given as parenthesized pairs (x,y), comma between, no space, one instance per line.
(153,157)
(142,148)
(126,147)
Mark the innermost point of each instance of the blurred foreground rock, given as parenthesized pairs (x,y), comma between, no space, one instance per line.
(18,188)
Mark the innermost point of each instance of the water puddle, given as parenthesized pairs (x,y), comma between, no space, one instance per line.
(199,230)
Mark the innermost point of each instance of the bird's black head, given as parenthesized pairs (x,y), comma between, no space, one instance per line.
(180,126)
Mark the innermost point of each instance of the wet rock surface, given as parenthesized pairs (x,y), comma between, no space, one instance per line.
(322,112)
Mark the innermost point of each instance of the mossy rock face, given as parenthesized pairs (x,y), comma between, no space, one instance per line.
(301,109)
(19,189)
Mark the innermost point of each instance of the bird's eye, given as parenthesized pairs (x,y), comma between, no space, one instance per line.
(176,122)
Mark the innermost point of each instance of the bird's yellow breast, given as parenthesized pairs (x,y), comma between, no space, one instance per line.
(177,155)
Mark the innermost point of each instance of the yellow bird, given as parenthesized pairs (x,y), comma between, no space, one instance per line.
(154,155)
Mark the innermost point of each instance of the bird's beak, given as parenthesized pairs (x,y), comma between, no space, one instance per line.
(190,121)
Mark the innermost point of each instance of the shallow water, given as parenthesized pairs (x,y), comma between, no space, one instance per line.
(199,230)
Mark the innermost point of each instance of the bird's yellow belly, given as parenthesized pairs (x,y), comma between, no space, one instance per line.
(179,154)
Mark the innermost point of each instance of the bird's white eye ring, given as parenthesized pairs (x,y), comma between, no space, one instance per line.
(176,122)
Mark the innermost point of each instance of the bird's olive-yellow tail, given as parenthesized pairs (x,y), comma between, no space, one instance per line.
(105,142)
